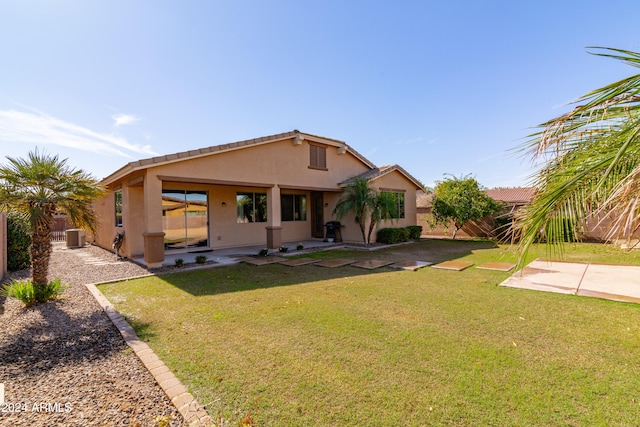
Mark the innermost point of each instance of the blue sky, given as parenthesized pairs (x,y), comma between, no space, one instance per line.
(445,87)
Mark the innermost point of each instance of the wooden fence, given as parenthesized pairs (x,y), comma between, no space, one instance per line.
(60,226)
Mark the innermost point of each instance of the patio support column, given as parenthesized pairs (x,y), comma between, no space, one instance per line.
(274,227)
(153,234)
(133,220)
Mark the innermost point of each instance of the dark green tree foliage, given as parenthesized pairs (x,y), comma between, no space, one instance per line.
(390,236)
(460,200)
(18,242)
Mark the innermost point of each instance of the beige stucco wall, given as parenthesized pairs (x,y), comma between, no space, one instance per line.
(278,162)
(275,168)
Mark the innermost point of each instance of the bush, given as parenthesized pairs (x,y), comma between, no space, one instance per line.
(201,259)
(300,246)
(415,231)
(283,249)
(18,242)
(263,252)
(390,236)
(29,294)
(179,262)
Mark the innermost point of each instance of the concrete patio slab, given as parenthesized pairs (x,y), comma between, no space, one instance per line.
(497,266)
(299,261)
(411,265)
(614,282)
(453,265)
(265,260)
(542,275)
(372,264)
(337,262)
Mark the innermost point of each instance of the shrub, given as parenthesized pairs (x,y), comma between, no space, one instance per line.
(392,235)
(415,231)
(283,249)
(18,242)
(263,252)
(30,294)
(300,246)
(179,262)
(201,259)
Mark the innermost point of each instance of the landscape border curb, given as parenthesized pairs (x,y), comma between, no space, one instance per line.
(193,413)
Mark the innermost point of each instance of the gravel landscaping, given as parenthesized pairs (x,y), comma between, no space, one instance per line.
(64,363)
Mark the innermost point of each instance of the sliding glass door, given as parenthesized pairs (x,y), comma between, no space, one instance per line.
(185,217)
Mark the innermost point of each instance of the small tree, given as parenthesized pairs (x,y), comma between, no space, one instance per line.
(40,186)
(368,206)
(461,200)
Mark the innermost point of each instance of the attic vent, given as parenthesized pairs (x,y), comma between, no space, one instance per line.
(317,157)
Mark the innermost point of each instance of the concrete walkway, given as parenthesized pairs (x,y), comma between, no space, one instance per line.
(613,282)
(229,256)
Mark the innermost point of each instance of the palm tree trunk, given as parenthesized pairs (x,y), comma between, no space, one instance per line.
(41,249)
(372,225)
(364,236)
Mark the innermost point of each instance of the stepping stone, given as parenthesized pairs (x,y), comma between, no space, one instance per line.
(498,266)
(299,261)
(333,263)
(411,265)
(372,264)
(265,260)
(453,265)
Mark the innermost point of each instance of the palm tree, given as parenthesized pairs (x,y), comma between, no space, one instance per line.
(40,186)
(383,207)
(367,205)
(590,164)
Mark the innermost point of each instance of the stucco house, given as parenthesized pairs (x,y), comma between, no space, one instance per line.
(263,191)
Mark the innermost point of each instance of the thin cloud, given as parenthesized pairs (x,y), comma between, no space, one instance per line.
(124,119)
(40,128)
(490,157)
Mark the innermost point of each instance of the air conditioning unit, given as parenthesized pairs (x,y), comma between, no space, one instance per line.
(76,238)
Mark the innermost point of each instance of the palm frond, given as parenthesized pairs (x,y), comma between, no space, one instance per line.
(590,164)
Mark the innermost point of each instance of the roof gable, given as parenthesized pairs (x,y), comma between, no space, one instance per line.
(382,171)
(216,149)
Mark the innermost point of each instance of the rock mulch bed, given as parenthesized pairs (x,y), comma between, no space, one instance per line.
(65,364)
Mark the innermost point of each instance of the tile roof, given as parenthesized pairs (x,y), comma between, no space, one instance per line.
(512,194)
(423,200)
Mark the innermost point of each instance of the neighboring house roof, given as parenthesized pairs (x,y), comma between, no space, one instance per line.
(513,195)
(423,199)
(192,154)
(381,171)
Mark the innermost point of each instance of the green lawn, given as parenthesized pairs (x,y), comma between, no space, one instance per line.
(309,346)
